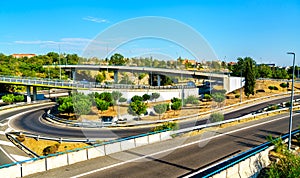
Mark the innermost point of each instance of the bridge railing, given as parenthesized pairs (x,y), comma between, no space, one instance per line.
(81,84)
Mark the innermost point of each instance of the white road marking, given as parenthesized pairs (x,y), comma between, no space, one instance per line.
(6,143)
(174,148)
(12,159)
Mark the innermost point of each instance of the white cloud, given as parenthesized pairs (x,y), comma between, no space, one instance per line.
(95,19)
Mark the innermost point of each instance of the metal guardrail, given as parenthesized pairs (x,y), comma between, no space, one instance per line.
(95,124)
(210,171)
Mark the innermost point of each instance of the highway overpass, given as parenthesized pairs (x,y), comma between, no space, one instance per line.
(228,82)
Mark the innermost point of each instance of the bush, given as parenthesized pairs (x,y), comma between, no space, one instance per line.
(51,149)
(273,107)
(122,100)
(191,100)
(260,91)
(216,117)
(21,138)
(166,125)
(207,96)
(237,96)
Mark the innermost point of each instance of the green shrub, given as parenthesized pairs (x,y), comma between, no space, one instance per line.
(51,149)
(216,117)
(207,96)
(237,96)
(260,91)
(166,125)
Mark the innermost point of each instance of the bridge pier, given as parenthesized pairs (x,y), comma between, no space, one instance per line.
(34,93)
(73,74)
(28,94)
(116,76)
(158,80)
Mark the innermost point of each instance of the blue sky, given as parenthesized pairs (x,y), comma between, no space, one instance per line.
(262,29)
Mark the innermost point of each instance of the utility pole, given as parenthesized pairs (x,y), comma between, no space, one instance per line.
(291,107)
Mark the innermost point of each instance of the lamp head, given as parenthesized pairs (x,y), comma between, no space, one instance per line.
(291,53)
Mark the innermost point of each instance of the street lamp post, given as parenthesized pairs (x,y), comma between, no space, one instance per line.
(291,107)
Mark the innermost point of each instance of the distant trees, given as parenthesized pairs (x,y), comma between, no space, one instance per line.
(117,59)
(250,72)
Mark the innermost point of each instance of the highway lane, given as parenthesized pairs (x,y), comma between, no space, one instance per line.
(30,122)
(159,160)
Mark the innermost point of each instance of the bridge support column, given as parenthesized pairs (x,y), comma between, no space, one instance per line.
(34,93)
(73,74)
(28,94)
(158,80)
(116,76)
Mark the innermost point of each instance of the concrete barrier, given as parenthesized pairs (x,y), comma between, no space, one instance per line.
(95,152)
(244,170)
(77,156)
(141,141)
(11,172)
(165,135)
(154,138)
(112,148)
(33,167)
(127,144)
(56,161)
(220,175)
(233,171)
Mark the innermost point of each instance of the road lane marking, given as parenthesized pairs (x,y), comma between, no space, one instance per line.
(7,155)
(6,143)
(174,148)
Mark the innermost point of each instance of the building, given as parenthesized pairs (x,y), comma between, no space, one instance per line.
(23,55)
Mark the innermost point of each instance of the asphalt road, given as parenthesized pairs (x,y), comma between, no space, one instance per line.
(30,122)
(191,155)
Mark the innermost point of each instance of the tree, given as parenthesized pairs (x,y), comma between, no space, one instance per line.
(136,98)
(19,98)
(117,59)
(174,99)
(9,98)
(100,78)
(155,96)
(176,106)
(216,117)
(66,105)
(137,108)
(116,95)
(101,104)
(146,97)
(283,85)
(106,96)
(82,104)
(122,100)
(249,76)
(160,109)
(218,97)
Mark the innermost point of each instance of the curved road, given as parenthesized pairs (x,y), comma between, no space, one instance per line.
(30,122)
